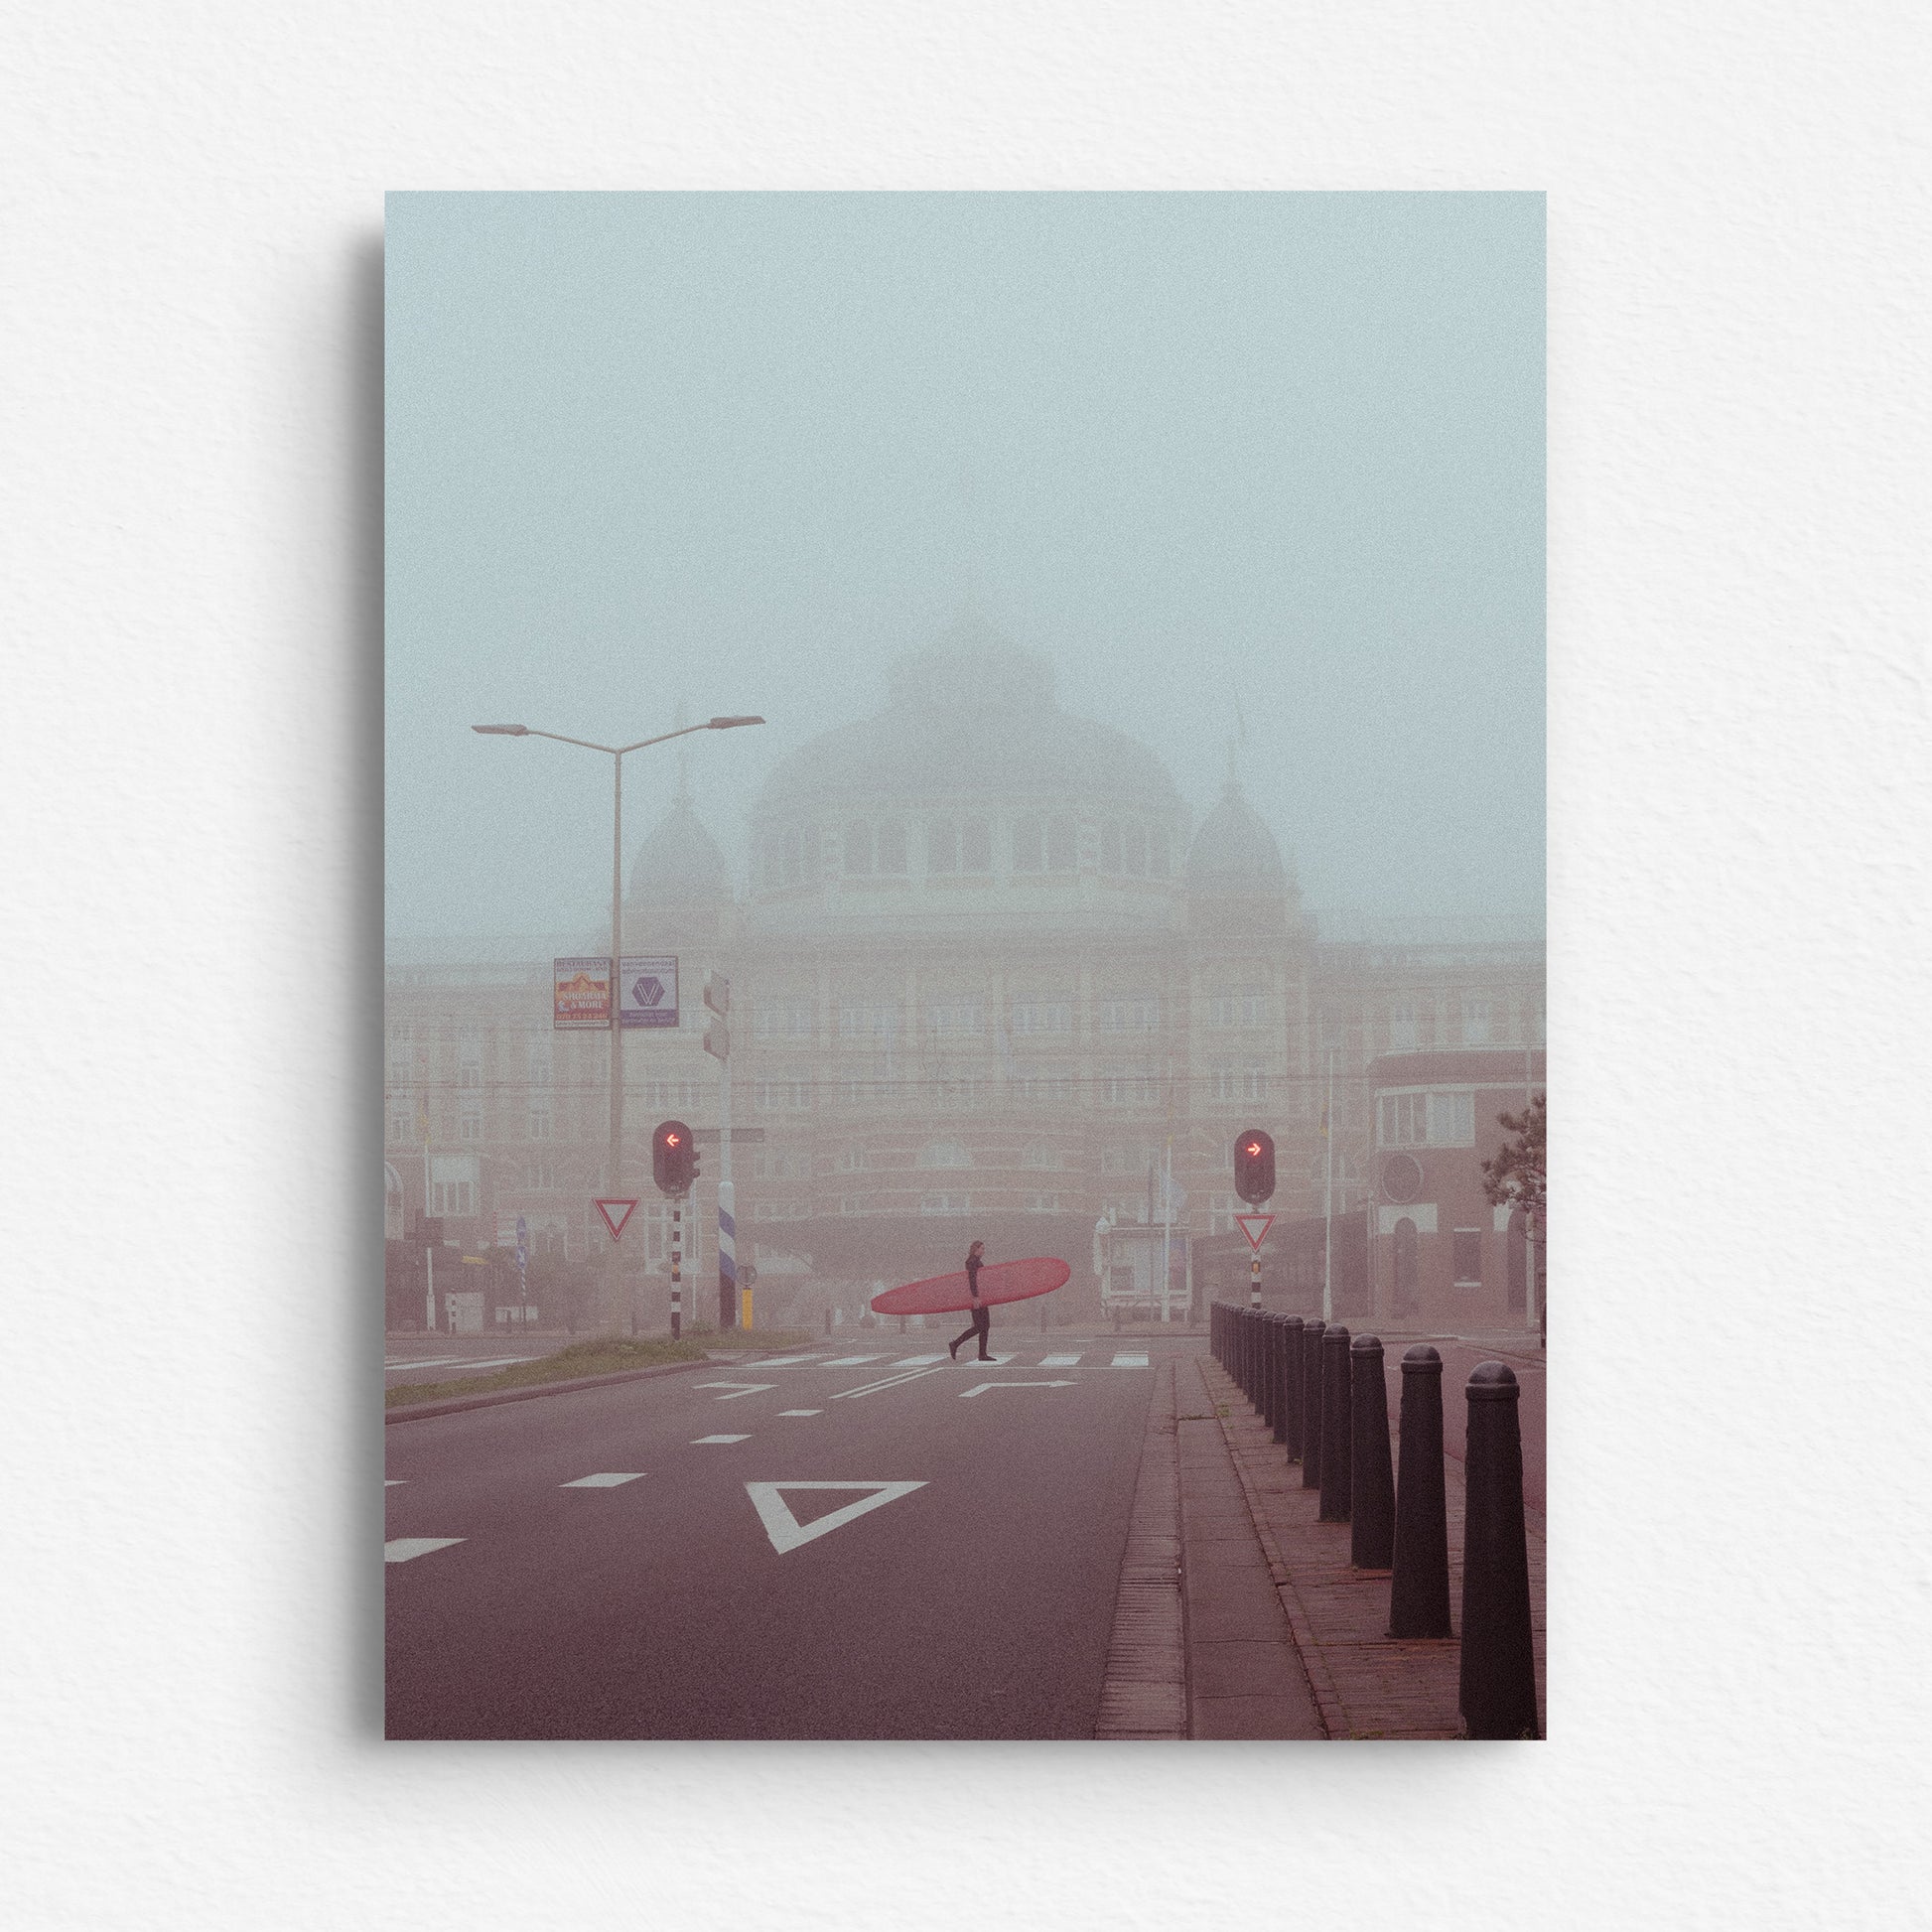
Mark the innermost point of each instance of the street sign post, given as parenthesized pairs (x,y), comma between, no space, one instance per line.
(1255,1227)
(733,1300)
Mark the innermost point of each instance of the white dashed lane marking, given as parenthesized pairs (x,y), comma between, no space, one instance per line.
(610,1480)
(802,1412)
(697,1440)
(400,1549)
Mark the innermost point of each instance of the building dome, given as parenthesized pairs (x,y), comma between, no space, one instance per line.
(1235,851)
(974,716)
(679,859)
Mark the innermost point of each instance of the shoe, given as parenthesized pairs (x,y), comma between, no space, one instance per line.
(986,1358)
(952,1350)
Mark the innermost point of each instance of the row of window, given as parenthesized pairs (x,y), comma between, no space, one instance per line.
(1420,1118)
(1031,1017)
(962,1092)
(946,845)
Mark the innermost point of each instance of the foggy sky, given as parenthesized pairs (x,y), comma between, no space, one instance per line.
(1273,455)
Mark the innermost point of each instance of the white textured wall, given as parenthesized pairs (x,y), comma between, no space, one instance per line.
(1738,403)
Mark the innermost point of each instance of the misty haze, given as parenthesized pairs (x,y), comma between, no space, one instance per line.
(1097,642)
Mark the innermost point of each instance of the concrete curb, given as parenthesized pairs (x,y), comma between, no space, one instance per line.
(1143,1688)
(1224,1392)
(456,1404)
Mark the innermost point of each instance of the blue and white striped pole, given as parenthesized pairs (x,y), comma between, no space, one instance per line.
(733,1306)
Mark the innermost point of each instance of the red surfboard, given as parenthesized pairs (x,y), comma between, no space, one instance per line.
(1000,1281)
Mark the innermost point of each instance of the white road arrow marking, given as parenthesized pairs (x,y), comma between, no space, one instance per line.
(743,1388)
(785,1529)
(399,1548)
(966,1395)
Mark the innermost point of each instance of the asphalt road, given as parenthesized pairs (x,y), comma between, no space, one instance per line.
(963,1587)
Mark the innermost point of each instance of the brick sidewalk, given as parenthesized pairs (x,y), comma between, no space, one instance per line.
(1365,1684)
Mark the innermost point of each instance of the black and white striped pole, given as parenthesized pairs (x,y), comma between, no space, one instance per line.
(677,1278)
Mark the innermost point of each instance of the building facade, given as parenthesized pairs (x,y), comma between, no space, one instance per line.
(988,980)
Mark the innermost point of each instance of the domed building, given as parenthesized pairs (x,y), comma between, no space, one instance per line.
(992,975)
(987,978)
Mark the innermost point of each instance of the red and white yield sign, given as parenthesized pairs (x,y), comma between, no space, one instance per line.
(616,1213)
(1255,1227)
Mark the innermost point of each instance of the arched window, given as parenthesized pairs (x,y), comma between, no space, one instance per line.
(858,847)
(891,846)
(976,846)
(1516,1255)
(1407,1268)
(1027,855)
(941,845)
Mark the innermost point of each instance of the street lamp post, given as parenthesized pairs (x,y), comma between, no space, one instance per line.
(616,753)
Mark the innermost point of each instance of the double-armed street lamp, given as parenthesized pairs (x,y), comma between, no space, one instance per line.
(616,753)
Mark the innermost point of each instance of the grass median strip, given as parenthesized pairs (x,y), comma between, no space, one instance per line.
(599,1355)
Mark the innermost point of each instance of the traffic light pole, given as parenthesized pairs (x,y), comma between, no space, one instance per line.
(613,1317)
(677,1259)
(1254,1278)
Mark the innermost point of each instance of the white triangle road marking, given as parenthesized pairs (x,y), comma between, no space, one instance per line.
(785,1529)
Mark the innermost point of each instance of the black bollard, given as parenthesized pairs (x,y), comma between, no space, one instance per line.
(1268,1371)
(1418,1593)
(1498,1652)
(1277,1374)
(1335,1444)
(1291,1385)
(1371,1505)
(1312,1406)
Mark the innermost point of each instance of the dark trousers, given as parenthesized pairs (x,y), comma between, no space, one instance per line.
(982,1325)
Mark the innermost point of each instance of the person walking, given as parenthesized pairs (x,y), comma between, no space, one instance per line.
(982,1320)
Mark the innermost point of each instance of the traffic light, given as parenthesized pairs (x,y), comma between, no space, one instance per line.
(673,1157)
(1254,1167)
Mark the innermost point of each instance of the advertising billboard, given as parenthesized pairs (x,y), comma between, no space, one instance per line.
(580,995)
